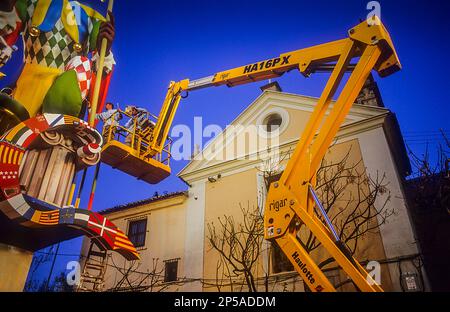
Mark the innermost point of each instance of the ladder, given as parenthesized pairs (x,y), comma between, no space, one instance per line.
(92,277)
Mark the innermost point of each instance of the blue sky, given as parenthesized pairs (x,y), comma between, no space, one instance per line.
(160,41)
(163,41)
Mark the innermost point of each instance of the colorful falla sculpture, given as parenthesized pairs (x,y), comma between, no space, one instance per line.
(44,140)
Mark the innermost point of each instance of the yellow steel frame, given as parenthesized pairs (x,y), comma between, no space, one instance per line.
(166,116)
(373,46)
(370,45)
(140,145)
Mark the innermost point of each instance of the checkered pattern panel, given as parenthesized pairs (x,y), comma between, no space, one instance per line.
(90,29)
(30,8)
(82,66)
(51,49)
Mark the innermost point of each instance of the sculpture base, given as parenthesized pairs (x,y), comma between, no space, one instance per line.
(14,266)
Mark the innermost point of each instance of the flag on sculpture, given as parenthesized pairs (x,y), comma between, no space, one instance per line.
(101,6)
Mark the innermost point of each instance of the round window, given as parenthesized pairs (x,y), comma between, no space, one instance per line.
(272,122)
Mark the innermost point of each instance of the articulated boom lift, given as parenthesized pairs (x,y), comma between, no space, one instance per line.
(370,47)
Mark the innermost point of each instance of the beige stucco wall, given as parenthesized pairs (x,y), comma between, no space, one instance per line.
(179,228)
(225,197)
(233,190)
(166,228)
(194,236)
(370,246)
(363,128)
(398,235)
(14,266)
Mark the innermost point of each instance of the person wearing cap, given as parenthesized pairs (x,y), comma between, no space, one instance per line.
(139,116)
(110,119)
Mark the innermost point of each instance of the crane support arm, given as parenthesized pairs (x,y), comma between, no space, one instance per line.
(294,191)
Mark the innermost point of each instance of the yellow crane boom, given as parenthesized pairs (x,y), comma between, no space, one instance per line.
(370,47)
(307,61)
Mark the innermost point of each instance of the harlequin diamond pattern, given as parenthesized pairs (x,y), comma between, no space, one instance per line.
(30,8)
(82,66)
(51,49)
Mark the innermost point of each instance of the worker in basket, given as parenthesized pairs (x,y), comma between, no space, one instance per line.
(140,118)
(110,118)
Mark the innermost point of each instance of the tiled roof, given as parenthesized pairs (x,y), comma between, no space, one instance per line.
(142,202)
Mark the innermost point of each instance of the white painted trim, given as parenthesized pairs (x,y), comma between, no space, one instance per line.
(284,114)
(194,236)
(262,194)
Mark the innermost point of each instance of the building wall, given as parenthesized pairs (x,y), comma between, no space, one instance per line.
(369,245)
(14,266)
(179,227)
(226,197)
(398,236)
(240,189)
(193,240)
(165,240)
(366,130)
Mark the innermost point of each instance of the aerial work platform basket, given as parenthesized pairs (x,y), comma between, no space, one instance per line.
(129,150)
